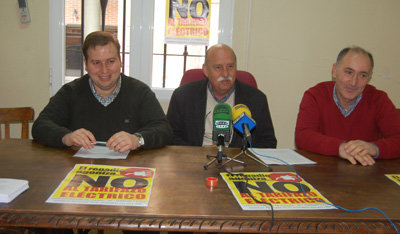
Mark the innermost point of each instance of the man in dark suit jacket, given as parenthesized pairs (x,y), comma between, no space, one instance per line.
(191,106)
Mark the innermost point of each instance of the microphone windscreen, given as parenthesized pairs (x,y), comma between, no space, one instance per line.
(241,116)
(239,109)
(222,121)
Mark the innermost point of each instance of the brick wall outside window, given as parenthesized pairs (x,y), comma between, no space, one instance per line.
(75,5)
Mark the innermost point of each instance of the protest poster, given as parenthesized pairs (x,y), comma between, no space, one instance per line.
(105,185)
(394,177)
(188,22)
(281,189)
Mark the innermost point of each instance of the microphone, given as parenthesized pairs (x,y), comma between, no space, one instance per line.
(242,120)
(222,121)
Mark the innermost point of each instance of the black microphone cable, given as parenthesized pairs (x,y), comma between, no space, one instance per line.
(244,187)
(258,201)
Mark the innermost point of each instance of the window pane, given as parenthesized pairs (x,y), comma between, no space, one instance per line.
(127,38)
(126,64)
(176,52)
(175,49)
(196,50)
(157,71)
(177,58)
(174,71)
(159,23)
(74,61)
(214,22)
(93,21)
(193,62)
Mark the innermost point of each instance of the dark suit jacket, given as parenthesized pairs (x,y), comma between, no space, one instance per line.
(186,114)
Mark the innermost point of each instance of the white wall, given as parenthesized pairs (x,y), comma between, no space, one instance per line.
(293,44)
(24,56)
(289,47)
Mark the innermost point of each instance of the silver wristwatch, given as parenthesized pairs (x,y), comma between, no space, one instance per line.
(141,139)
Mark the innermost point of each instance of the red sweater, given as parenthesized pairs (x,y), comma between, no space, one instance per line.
(321,127)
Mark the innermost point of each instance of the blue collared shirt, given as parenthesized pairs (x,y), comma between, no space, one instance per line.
(225,97)
(108,100)
(352,106)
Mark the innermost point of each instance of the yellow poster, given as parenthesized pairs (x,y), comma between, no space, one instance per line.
(394,177)
(105,185)
(282,190)
(188,22)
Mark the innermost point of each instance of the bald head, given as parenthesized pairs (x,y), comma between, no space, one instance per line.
(218,47)
(220,68)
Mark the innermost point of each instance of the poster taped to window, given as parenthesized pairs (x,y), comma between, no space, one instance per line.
(188,22)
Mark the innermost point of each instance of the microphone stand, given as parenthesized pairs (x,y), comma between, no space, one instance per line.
(221,156)
(244,152)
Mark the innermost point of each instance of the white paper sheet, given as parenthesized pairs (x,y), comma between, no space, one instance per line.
(287,155)
(100,150)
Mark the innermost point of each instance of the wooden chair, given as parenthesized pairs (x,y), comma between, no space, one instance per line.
(19,114)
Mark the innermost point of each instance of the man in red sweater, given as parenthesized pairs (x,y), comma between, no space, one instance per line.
(348,117)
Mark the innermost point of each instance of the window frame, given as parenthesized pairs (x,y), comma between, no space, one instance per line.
(56,45)
(141,34)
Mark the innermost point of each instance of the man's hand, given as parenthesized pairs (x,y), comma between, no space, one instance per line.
(358,150)
(359,147)
(80,137)
(123,141)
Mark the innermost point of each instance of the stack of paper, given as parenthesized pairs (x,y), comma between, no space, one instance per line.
(11,188)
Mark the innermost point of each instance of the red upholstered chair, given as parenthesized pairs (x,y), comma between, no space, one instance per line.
(197,74)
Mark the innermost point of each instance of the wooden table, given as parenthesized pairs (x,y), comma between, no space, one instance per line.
(180,200)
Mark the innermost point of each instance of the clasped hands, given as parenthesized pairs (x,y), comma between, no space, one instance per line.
(120,141)
(358,151)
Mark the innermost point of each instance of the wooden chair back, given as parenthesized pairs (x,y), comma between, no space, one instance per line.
(19,114)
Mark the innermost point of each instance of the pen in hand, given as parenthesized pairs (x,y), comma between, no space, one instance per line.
(100,143)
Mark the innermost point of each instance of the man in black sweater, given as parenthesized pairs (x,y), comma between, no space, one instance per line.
(103,105)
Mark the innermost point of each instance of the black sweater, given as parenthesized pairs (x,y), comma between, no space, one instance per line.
(134,110)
